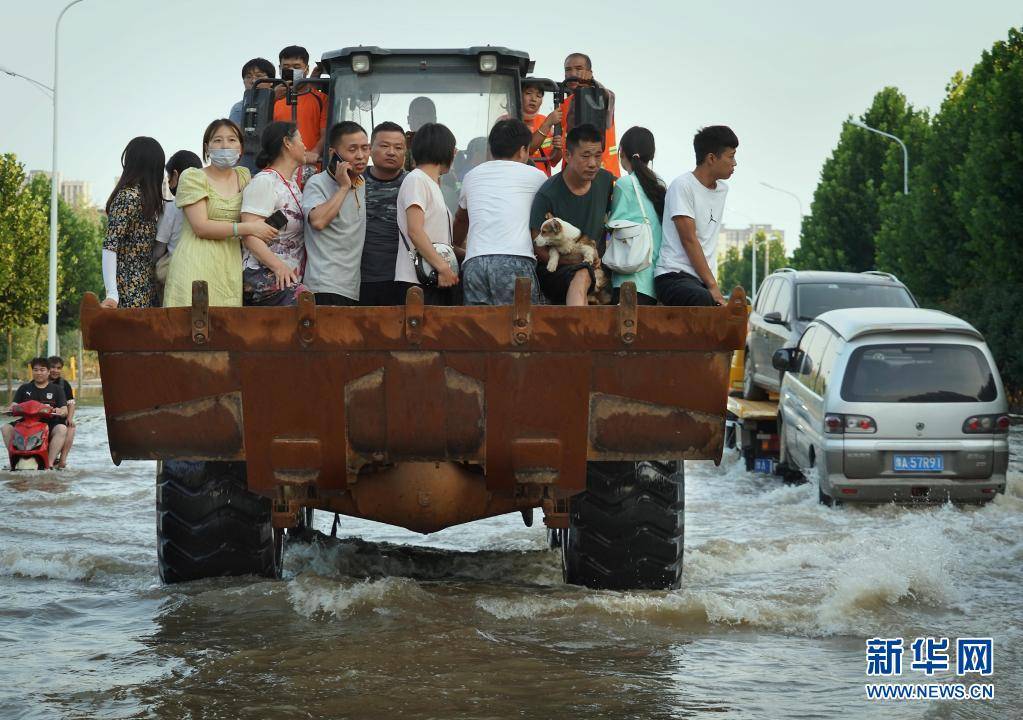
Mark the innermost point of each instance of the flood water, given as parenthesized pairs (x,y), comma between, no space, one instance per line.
(779,596)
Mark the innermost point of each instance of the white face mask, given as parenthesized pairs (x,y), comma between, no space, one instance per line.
(224,157)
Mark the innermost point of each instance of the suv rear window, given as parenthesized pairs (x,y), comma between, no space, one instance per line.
(918,373)
(813,299)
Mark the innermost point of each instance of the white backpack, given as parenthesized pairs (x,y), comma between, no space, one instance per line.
(631,245)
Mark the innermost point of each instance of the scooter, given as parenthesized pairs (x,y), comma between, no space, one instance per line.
(30,442)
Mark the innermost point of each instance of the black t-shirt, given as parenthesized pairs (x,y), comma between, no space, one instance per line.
(69,394)
(587,212)
(52,395)
(380,252)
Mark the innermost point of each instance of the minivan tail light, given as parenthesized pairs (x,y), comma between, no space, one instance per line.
(986,424)
(837,424)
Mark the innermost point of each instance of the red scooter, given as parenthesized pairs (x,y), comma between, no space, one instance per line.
(30,443)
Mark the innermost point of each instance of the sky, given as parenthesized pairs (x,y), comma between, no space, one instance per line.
(784,75)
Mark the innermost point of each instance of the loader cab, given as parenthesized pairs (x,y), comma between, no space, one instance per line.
(466,90)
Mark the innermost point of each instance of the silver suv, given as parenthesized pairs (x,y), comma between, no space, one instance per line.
(790,299)
(894,404)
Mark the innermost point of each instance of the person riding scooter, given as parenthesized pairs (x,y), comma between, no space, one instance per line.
(56,363)
(42,390)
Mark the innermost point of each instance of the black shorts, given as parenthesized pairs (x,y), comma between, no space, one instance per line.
(641,298)
(554,285)
(682,289)
(334,299)
(384,292)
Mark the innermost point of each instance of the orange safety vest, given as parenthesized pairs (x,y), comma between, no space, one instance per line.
(610,159)
(542,157)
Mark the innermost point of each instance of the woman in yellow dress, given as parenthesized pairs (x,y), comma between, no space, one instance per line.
(210,245)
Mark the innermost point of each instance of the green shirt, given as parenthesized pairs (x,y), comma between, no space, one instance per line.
(587,212)
(625,206)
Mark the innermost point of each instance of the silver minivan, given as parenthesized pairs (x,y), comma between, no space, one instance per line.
(894,404)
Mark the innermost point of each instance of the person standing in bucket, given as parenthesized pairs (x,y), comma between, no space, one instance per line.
(334,203)
(492,221)
(210,246)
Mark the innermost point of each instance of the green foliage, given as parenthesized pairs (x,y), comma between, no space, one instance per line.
(738,270)
(23,248)
(922,239)
(80,233)
(857,183)
(957,239)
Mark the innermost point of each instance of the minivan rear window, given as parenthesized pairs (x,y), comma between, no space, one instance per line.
(918,373)
(813,299)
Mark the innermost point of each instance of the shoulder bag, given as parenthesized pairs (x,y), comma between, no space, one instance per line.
(425,273)
(631,246)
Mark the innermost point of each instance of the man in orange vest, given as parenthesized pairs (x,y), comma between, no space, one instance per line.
(311,114)
(579,71)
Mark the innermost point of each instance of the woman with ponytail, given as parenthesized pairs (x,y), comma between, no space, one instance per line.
(210,244)
(272,272)
(636,153)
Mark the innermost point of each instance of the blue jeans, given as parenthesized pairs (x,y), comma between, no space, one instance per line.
(490,279)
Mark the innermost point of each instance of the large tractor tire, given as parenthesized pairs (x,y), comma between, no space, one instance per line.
(208,524)
(626,531)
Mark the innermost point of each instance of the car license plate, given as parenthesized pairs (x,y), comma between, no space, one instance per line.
(918,463)
(763,465)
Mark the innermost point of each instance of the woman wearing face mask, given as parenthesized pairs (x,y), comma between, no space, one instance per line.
(210,245)
(133,209)
(272,272)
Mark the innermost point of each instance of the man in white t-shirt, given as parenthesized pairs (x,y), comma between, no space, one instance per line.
(493,218)
(694,207)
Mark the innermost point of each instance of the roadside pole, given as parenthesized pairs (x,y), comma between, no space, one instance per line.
(81,365)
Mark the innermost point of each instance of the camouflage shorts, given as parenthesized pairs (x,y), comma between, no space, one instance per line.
(490,279)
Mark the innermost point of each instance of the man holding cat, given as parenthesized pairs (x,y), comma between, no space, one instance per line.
(580,195)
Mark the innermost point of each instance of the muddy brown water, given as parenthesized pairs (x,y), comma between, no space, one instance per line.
(779,596)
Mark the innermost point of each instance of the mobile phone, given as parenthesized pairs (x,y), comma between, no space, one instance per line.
(277,221)
(335,160)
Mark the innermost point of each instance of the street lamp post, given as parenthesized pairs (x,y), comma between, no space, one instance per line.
(51,336)
(753,264)
(905,152)
(47,88)
(767,253)
(790,194)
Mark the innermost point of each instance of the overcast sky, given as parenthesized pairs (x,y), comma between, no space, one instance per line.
(784,75)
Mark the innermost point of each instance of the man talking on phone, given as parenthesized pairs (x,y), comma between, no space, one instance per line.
(334,205)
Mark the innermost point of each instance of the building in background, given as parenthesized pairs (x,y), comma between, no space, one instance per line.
(73,192)
(741,237)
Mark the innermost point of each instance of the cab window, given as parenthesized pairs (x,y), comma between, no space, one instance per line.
(813,356)
(827,365)
(761,302)
(783,301)
(768,291)
(805,368)
(921,372)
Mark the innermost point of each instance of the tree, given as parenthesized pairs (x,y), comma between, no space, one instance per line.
(736,269)
(23,251)
(79,253)
(857,183)
(957,241)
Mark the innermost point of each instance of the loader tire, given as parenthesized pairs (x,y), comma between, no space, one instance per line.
(626,530)
(208,524)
